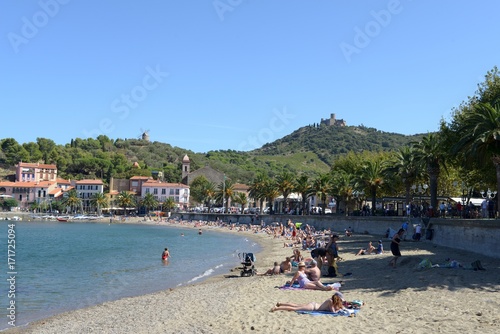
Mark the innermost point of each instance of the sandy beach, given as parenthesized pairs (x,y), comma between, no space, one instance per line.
(398,300)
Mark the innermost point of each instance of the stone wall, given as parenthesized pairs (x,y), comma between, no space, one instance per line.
(480,236)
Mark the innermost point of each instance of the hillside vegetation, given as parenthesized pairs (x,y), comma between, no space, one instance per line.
(310,150)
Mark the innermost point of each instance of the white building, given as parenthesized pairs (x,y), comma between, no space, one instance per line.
(86,190)
(162,190)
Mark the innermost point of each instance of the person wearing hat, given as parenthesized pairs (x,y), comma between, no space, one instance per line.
(335,304)
(305,283)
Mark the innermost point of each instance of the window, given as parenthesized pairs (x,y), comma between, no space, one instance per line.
(164,191)
(155,191)
(176,198)
(177,192)
(171,191)
(147,190)
(135,183)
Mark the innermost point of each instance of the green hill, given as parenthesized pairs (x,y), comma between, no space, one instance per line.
(310,150)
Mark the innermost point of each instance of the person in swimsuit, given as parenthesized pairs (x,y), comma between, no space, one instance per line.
(286,266)
(396,239)
(368,250)
(305,283)
(165,255)
(333,304)
(275,270)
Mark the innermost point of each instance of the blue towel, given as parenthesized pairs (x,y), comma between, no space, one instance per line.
(344,313)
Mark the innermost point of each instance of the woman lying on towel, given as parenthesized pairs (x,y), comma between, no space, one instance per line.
(334,305)
(304,282)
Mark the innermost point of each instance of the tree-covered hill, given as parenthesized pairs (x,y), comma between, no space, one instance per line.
(327,142)
(310,150)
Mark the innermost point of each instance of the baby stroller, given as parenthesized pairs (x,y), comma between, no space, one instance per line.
(247,260)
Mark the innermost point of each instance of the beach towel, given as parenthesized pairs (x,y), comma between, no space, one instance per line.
(344,313)
(296,286)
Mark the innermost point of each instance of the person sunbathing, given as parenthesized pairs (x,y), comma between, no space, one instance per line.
(305,283)
(368,250)
(333,304)
(313,272)
(275,270)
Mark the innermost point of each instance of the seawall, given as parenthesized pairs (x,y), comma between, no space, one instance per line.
(480,236)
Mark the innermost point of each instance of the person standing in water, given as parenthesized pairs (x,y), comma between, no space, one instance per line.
(165,255)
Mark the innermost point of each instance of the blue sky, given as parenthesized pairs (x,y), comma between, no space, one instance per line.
(235,74)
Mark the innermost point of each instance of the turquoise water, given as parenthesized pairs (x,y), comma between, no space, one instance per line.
(65,266)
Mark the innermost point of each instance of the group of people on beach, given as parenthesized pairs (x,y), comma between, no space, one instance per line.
(309,271)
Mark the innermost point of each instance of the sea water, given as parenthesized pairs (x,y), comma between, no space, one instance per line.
(66,266)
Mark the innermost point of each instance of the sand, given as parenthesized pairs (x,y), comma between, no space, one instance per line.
(400,300)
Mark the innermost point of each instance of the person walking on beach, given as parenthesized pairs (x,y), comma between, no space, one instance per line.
(396,240)
(333,304)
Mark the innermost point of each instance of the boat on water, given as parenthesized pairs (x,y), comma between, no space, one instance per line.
(62,219)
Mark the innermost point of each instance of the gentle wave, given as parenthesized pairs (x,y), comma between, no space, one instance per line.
(205,274)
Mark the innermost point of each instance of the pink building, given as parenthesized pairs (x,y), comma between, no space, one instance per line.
(35,172)
(28,192)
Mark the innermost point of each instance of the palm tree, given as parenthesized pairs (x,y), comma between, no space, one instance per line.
(125,200)
(99,200)
(209,192)
(169,204)
(303,187)
(72,200)
(224,193)
(404,165)
(372,178)
(149,202)
(343,184)
(322,187)
(257,189)
(429,153)
(271,192)
(480,137)
(285,184)
(240,198)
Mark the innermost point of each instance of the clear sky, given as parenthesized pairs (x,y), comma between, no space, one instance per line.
(234,74)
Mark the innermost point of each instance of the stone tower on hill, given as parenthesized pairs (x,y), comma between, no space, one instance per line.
(333,122)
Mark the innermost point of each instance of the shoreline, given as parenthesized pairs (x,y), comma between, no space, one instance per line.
(404,299)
